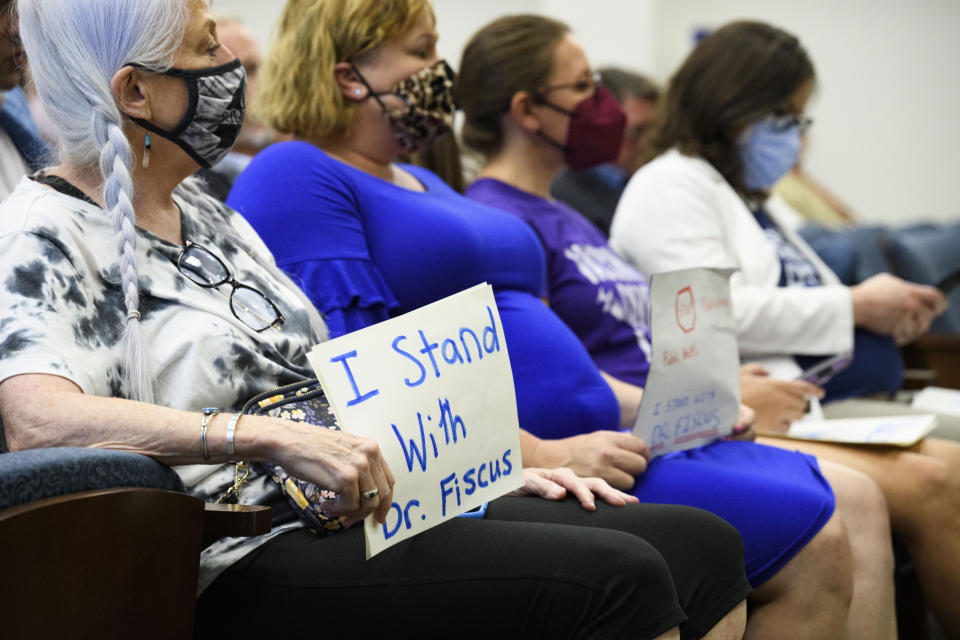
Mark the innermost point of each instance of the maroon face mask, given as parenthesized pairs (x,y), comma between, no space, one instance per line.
(595,132)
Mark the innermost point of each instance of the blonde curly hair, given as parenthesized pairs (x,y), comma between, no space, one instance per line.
(298,92)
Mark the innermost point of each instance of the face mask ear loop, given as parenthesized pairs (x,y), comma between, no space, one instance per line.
(370,91)
(553,142)
(539,99)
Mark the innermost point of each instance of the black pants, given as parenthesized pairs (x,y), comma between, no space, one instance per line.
(531,568)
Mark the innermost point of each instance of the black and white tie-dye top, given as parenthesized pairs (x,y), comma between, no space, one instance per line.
(62,313)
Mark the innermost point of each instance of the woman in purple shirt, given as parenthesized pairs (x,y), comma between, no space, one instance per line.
(530,121)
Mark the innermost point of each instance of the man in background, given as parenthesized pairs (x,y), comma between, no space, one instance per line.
(595,192)
(254,136)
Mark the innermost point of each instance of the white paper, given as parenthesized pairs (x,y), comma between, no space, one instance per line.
(692,395)
(901,431)
(814,412)
(434,388)
(938,400)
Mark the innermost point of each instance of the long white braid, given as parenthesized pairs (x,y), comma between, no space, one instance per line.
(116,165)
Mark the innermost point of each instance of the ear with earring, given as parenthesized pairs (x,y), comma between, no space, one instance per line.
(146,151)
(357,91)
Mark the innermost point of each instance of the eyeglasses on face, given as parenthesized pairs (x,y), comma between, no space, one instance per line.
(784,120)
(584,85)
(249,306)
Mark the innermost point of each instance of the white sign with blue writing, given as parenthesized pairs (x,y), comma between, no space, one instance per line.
(692,396)
(434,388)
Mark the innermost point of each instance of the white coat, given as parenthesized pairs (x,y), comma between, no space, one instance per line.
(679,212)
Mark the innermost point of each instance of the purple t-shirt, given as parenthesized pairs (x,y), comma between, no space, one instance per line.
(604,300)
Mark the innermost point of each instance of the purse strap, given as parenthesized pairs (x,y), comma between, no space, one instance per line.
(260,404)
(241,471)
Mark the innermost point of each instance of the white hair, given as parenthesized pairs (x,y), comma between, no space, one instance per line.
(75,47)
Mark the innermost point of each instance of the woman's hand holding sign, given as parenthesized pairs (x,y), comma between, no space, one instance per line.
(743,429)
(347,464)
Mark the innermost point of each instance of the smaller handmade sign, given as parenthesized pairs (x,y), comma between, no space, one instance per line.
(692,395)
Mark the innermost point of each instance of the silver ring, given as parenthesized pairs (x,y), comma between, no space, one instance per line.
(373,493)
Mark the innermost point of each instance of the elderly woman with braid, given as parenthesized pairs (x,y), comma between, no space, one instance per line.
(131,301)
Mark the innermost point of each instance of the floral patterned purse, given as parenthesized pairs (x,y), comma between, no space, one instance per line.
(302,402)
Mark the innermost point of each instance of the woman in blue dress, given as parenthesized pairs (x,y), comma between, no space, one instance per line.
(367,238)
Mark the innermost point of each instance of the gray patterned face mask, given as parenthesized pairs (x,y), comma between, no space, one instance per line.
(211,124)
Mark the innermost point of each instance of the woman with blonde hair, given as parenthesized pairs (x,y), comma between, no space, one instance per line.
(368,238)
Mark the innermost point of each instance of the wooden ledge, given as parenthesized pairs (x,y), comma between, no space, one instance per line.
(233,520)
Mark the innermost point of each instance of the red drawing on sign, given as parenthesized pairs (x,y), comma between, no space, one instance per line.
(686,310)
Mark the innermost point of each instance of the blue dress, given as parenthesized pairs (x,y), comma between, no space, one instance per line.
(364,249)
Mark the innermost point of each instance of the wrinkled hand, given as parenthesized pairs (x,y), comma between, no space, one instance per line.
(553,484)
(341,462)
(776,403)
(611,455)
(888,305)
(743,429)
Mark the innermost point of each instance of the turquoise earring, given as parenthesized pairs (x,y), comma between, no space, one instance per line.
(146,151)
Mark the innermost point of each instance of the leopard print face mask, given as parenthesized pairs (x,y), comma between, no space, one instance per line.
(429,106)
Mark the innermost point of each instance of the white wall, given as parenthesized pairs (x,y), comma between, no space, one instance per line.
(887,131)
(614,32)
(457,20)
(626,42)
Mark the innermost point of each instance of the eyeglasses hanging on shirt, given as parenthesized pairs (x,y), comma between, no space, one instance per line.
(249,306)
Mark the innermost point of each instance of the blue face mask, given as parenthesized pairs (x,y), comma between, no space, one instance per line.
(769,149)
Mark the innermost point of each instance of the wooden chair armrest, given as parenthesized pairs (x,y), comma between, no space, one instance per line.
(941,354)
(945,341)
(233,520)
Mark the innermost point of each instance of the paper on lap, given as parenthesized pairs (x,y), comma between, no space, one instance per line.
(692,395)
(902,431)
(434,388)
